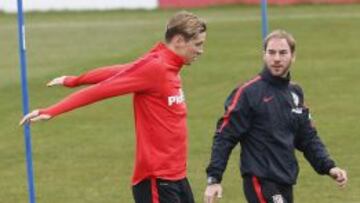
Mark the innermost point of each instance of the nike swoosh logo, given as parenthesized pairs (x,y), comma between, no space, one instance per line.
(267,99)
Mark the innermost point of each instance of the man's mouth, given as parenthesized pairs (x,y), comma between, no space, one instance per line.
(277,67)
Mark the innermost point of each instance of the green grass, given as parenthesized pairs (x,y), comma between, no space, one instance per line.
(87,155)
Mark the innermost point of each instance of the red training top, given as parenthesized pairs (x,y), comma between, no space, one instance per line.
(159,105)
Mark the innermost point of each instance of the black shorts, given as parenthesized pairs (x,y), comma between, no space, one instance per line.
(155,190)
(258,190)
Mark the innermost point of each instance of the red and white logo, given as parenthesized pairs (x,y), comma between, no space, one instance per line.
(176,99)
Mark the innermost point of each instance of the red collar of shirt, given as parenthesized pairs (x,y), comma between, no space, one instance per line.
(171,57)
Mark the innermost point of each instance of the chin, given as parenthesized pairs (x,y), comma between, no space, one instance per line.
(279,73)
(276,73)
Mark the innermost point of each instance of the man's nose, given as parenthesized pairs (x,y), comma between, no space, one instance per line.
(277,57)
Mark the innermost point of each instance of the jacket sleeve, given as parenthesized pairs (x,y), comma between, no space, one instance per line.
(311,145)
(95,76)
(231,128)
(140,77)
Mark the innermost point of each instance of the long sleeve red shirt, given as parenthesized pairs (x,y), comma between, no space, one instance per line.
(159,106)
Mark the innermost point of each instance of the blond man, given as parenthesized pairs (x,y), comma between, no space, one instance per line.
(268,117)
(159,106)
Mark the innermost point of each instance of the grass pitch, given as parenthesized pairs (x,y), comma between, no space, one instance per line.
(87,155)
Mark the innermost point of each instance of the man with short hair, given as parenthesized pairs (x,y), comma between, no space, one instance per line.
(268,116)
(159,105)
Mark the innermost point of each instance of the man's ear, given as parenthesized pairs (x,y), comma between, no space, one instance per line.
(178,40)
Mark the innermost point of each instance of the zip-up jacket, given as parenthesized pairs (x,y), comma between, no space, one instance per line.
(268,117)
(159,109)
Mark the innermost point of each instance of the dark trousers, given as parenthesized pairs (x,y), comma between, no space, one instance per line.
(155,190)
(258,190)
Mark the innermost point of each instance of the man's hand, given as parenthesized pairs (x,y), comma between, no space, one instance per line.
(56,81)
(339,175)
(212,193)
(34,116)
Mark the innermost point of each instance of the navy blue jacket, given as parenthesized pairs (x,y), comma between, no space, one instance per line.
(268,117)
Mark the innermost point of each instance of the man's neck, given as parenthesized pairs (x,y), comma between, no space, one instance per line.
(171,47)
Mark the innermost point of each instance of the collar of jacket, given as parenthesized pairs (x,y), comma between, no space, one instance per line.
(168,55)
(275,80)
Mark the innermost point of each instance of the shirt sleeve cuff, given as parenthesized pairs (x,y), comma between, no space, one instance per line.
(46,112)
(331,164)
(70,81)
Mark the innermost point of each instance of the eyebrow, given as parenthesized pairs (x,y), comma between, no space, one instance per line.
(281,50)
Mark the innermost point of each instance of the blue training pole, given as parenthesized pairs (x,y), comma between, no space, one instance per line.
(25,101)
(264,18)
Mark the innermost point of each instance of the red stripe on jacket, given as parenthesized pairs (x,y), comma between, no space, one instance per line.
(234,101)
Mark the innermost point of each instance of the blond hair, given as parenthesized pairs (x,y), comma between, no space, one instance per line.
(185,24)
(281,34)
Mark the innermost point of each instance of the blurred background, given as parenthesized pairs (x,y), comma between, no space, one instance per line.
(87,155)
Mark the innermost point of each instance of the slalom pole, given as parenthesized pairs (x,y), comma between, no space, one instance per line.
(25,100)
(264,18)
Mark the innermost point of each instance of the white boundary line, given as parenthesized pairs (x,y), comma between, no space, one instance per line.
(132,22)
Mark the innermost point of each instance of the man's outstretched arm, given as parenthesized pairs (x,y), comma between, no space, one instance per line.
(140,77)
(91,77)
